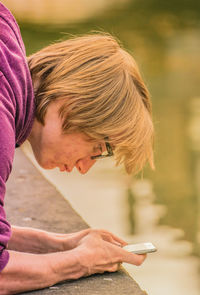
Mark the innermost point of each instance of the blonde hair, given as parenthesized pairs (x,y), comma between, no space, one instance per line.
(103,95)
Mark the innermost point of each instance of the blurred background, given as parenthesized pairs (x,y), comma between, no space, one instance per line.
(162,206)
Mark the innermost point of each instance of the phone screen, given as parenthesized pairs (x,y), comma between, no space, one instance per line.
(141,248)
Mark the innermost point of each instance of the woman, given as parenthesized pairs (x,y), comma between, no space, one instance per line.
(76,101)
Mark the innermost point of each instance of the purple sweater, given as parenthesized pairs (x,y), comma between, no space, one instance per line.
(16,109)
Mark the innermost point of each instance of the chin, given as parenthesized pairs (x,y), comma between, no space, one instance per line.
(46,166)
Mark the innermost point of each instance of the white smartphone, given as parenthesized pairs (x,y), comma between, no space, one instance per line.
(141,248)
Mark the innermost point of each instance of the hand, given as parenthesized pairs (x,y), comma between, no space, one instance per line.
(72,240)
(101,251)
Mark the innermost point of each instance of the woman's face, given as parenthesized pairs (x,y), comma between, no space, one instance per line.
(53,149)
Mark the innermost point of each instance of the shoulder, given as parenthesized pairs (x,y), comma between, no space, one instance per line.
(14,71)
(7,130)
(10,32)
(16,89)
(7,97)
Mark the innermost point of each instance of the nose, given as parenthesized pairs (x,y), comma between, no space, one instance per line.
(62,169)
(83,165)
(66,168)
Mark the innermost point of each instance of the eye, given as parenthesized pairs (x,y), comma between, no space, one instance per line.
(98,149)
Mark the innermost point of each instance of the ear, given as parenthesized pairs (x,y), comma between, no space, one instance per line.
(36,83)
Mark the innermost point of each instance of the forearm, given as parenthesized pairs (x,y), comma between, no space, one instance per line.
(25,239)
(92,251)
(26,271)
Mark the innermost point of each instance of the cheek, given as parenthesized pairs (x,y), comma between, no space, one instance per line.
(65,154)
(72,149)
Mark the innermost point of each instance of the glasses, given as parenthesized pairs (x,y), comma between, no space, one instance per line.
(104,155)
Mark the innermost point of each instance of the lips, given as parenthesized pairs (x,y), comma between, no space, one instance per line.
(67,168)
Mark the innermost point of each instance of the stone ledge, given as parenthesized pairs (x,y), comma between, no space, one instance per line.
(32,201)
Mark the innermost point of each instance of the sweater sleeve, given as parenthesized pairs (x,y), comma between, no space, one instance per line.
(7,148)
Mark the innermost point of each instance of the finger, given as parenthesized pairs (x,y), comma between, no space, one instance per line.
(119,240)
(135,259)
(112,267)
(74,238)
(77,236)
(83,233)
(128,257)
(110,237)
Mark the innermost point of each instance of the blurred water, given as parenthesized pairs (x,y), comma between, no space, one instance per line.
(59,11)
(164,206)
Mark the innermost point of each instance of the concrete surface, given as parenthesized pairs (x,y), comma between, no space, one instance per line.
(32,201)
